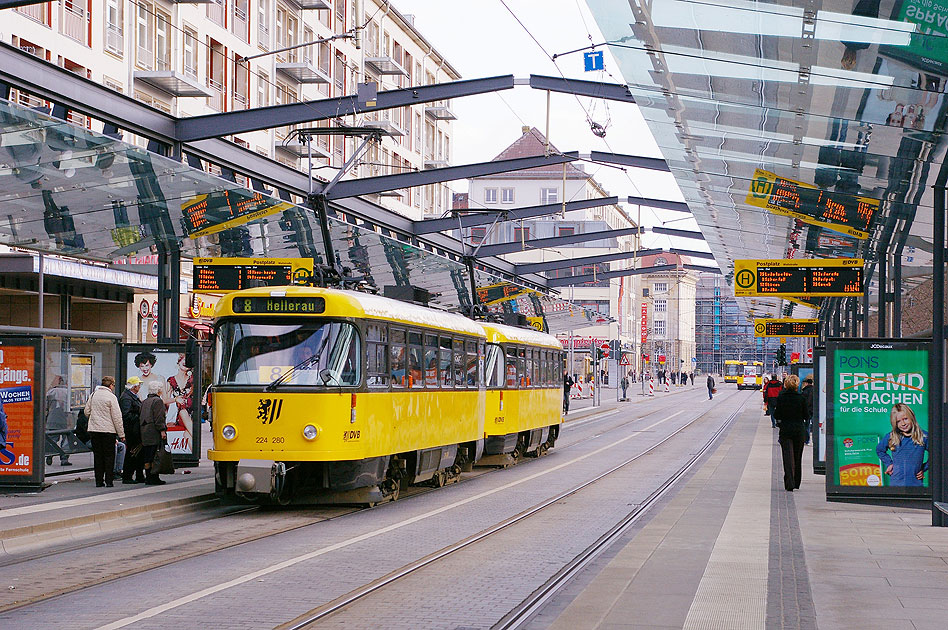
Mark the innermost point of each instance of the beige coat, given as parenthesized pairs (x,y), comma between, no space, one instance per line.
(104,413)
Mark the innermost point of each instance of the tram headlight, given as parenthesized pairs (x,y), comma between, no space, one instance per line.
(310,432)
(229,432)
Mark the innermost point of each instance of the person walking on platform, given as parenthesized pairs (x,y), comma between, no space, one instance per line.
(154,431)
(790,413)
(771,390)
(568,383)
(710,387)
(131,406)
(105,425)
(692,376)
(807,392)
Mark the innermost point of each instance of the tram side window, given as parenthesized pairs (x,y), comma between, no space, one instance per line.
(511,373)
(522,367)
(536,368)
(480,362)
(376,356)
(494,360)
(397,354)
(527,368)
(458,363)
(471,365)
(416,357)
(444,363)
(431,361)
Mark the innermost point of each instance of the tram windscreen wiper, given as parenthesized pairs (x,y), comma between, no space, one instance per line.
(305,363)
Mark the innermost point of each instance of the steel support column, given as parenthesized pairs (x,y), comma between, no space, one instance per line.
(882,266)
(865,310)
(897,294)
(936,427)
(169,296)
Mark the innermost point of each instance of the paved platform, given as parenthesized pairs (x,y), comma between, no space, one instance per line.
(732,549)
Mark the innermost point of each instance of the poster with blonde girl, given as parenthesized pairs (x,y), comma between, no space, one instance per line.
(902,450)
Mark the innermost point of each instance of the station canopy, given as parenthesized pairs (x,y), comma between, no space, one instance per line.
(794,130)
(67,190)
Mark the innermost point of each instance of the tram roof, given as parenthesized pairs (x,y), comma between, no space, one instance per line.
(848,99)
(501,333)
(359,305)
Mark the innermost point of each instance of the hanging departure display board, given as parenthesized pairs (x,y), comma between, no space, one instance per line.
(222,275)
(848,214)
(840,277)
(222,210)
(786,327)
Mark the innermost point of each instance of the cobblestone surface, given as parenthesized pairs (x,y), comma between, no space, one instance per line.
(475,588)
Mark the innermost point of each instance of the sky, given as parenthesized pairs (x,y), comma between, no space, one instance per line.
(482,38)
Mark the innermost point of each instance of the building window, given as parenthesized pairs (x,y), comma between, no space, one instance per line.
(661,306)
(658,328)
(566,231)
(549,195)
(263,90)
(490,195)
(660,287)
(522,235)
(478,234)
(190,53)
(263,24)
(114,30)
(506,195)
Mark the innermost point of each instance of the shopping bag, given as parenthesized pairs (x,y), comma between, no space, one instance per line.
(162,464)
(714,390)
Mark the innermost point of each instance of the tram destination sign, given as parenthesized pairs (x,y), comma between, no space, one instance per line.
(223,275)
(848,214)
(786,327)
(837,277)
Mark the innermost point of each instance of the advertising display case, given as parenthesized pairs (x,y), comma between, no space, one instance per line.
(878,418)
(21,387)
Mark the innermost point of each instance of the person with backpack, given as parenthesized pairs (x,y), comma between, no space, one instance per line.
(771,390)
(105,425)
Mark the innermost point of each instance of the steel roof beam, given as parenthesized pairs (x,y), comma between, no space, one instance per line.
(585,260)
(637,161)
(681,233)
(606,275)
(216,125)
(594,89)
(372,185)
(487,217)
(704,269)
(556,241)
(661,204)
(692,253)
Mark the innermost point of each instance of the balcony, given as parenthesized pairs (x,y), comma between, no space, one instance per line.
(172,82)
(302,72)
(317,5)
(387,127)
(74,23)
(300,149)
(440,112)
(385,66)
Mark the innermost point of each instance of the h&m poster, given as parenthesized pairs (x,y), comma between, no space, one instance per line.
(878,404)
(164,370)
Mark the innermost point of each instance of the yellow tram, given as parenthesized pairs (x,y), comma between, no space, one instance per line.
(732,368)
(524,392)
(331,396)
(751,375)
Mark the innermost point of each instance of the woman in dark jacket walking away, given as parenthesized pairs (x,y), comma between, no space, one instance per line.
(791,414)
(153,430)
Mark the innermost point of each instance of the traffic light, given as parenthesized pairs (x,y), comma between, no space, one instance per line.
(782,355)
(614,348)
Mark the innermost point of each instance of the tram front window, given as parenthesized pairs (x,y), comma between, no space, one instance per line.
(324,354)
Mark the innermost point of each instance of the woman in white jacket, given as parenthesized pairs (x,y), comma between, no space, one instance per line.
(105,424)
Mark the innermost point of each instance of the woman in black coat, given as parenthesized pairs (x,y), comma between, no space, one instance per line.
(790,412)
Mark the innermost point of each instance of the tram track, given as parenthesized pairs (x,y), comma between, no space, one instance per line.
(528,608)
(152,560)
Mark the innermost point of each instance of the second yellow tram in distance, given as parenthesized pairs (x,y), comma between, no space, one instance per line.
(330,396)
(732,368)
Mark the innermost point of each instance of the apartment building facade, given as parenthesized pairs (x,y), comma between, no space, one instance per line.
(194,58)
(668,313)
(612,298)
